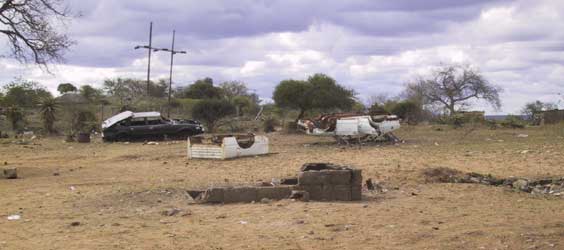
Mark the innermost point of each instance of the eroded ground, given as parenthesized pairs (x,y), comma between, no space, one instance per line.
(112,196)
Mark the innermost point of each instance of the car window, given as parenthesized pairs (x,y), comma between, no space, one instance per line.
(137,121)
(154,120)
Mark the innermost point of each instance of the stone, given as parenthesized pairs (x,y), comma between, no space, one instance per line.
(521,184)
(10,173)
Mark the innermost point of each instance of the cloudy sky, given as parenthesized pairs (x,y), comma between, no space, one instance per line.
(373,46)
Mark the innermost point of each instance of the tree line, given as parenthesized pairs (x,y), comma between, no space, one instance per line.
(445,91)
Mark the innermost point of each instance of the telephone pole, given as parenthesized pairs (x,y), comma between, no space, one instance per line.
(149,48)
(172,53)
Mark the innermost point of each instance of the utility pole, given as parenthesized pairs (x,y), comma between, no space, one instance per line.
(172,52)
(149,48)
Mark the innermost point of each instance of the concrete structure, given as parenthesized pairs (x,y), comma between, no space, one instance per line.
(316,182)
(227,146)
(328,182)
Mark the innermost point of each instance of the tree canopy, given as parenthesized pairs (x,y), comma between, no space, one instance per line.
(452,87)
(210,111)
(31,31)
(23,93)
(128,89)
(66,87)
(201,89)
(318,92)
(532,108)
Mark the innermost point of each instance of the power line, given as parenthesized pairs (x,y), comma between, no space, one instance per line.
(149,48)
(172,53)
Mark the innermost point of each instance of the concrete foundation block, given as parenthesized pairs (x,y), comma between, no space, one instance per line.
(327,193)
(340,177)
(315,191)
(239,194)
(213,195)
(314,178)
(274,193)
(356,177)
(356,193)
(342,192)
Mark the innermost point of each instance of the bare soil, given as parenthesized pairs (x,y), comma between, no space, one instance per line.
(117,196)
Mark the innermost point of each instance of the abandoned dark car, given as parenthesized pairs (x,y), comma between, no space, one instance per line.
(147,126)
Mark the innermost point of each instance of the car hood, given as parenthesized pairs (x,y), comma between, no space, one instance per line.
(116,118)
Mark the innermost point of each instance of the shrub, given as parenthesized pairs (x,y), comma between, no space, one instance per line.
(210,111)
(512,121)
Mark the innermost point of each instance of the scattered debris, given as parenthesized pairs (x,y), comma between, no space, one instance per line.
(75,223)
(299,195)
(522,135)
(352,127)
(243,222)
(151,143)
(171,212)
(369,184)
(14,217)
(10,173)
(549,186)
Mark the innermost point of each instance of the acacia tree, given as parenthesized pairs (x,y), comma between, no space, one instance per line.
(532,108)
(318,92)
(66,87)
(452,87)
(212,110)
(29,27)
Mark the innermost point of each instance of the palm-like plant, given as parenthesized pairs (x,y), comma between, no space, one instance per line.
(16,116)
(48,108)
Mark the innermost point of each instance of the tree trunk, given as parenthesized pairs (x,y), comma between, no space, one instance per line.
(301,115)
(451,109)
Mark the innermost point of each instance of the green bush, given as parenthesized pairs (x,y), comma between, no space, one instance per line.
(512,121)
(209,111)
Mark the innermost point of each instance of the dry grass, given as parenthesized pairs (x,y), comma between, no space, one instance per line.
(120,191)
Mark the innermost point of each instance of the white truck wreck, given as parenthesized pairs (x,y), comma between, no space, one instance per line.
(352,127)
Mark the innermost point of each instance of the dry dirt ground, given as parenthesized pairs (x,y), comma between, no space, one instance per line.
(111,196)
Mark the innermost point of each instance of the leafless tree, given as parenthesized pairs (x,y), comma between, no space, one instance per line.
(30,27)
(452,87)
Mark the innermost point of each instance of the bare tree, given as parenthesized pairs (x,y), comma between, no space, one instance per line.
(452,87)
(31,31)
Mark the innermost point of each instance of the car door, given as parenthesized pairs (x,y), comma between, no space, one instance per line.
(158,126)
(138,127)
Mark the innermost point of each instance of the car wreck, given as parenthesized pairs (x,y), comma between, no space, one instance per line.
(352,127)
(128,125)
(227,146)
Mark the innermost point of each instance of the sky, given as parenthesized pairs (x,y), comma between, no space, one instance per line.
(373,46)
